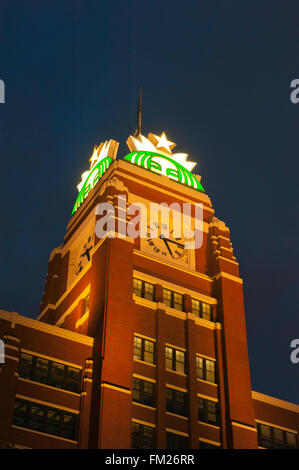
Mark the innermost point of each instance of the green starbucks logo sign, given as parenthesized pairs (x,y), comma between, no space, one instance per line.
(163,164)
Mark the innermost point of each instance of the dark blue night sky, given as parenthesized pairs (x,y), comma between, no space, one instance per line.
(216,78)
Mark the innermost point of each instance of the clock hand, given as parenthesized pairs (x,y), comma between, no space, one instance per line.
(172,241)
(168,248)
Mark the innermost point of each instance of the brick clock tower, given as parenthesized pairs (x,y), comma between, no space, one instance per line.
(155,330)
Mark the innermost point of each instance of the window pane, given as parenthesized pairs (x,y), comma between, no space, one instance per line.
(137,347)
(137,287)
(148,393)
(135,435)
(20,410)
(41,370)
(148,291)
(176,402)
(148,351)
(175,441)
(148,434)
(211,412)
(210,371)
(56,378)
(167,297)
(291,440)
(53,422)
(177,301)
(142,436)
(180,403)
(195,307)
(136,390)
(35,417)
(25,366)
(73,379)
(180,361)
(69,426)
(199,367)
(168,356)
(266,431)
(278,435)
(206,311)
(201,409)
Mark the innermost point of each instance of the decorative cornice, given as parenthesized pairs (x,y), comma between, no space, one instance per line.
(275,401)
(14,317)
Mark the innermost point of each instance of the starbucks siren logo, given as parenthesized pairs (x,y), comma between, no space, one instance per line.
(153,153)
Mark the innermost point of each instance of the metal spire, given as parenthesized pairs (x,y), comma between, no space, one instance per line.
(138,130)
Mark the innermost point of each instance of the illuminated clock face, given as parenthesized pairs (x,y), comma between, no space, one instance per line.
(166,245)
(84,256)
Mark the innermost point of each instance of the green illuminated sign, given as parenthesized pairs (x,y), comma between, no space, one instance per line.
(165,165)
(91,180)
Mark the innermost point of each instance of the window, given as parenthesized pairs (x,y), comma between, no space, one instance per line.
(175,360)
(202,310)
(173,299)
(176,441)
(275,438)
(144,350)
(176,402)
(143,289)
(142,436)
(45,419)
(207,411)
(143,391)
(205,369)
(49,372)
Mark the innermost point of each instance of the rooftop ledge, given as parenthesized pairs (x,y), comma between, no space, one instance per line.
(275,401)
(14,318)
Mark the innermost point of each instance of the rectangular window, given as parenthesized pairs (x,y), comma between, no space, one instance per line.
(143,392)
(175,360)
(49,372)
(143,289)
(137,287)
(176,402)
(205,369)
(206,311)
(172,299)
(56,378)
(177,301)
(201,309)
(41,370)
(196,307)
(45,419)
(144,350)
(207,411)
(275,438)
(176,441)
(142,436)
(25,366)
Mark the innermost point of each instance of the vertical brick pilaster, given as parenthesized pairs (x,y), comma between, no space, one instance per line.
(158,293)
(85,404)
(222,391)
(160,380)
(192,382)
(187,303)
